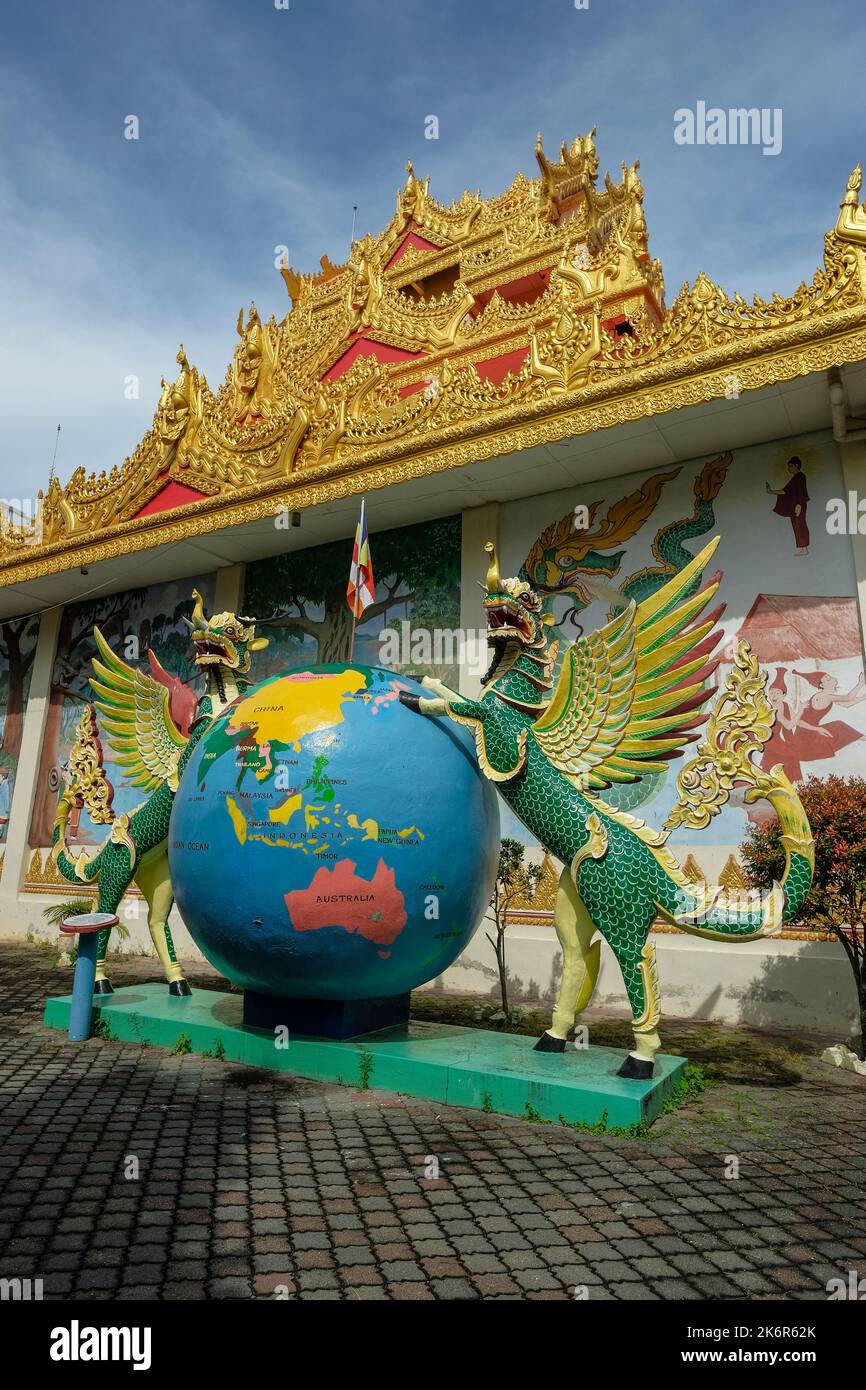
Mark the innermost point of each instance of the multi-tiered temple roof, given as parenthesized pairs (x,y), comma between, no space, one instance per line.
(459,333)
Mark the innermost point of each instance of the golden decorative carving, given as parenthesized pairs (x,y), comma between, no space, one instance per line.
(561,354)
(253,365)
(693,871)
(851,222)
(365,285)
(536,908)
(45,877)
(179,413)
(577,168)
(412,199)
(732,877)
(278,435)
(647,1022)
(428,324)
(738,727)
(596,846)
(86,770)
(120,835)
(414,205)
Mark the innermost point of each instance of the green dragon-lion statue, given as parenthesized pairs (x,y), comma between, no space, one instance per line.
(628,698)
(153,751)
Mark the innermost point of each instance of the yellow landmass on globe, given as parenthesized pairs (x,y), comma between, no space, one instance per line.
(289,709)
(284,813)
(238,821)
(369,826)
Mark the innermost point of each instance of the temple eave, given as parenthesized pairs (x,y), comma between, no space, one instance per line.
(457,335)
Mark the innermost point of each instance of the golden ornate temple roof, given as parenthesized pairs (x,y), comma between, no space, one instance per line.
(457,334)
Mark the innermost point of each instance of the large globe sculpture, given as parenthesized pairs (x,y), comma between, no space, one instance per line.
(328,843)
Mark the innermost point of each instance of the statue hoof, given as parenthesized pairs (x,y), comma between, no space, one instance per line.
(103,987)
(410,701)
(547,1043)
(636,1068)
(179,989)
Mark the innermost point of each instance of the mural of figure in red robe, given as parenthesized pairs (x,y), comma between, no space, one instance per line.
(779,746)
(792,501)
(800,734)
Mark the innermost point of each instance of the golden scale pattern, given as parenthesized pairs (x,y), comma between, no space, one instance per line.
(277,435)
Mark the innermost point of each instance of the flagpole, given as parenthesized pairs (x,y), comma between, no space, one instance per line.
(355,600)
(352,638)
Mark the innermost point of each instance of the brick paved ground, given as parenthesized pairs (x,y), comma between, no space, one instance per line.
(250,1180)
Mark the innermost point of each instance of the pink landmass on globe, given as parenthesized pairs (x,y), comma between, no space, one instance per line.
(374,908)
(390,695)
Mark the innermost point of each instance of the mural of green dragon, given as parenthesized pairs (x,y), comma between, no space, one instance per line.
(627,699)
(563,556)
(668,547)
(136,715)
(564,560)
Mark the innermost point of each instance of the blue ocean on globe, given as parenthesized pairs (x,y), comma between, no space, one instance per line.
(327,842)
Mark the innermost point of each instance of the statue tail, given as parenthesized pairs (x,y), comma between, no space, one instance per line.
(739,726)
(85,868)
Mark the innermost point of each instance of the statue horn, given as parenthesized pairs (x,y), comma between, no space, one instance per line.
(494,582)
(198,618)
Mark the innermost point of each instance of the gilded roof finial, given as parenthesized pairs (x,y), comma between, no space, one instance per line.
(851,222)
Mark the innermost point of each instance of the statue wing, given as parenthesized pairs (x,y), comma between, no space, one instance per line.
(136,716)
(629,695)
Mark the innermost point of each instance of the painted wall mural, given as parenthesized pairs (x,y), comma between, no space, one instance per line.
(300,601)
(788,588)
(17,650)
(131,622)
(807,639)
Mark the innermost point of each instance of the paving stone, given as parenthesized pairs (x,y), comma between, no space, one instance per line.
(453,1288)
(531,1279)
(399,1271)
(317,1191)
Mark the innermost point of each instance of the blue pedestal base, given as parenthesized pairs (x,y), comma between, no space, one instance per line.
(325,1018)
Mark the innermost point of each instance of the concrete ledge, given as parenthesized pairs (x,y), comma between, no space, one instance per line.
(433,1061)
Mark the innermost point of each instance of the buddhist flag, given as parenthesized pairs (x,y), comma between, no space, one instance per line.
(361,591)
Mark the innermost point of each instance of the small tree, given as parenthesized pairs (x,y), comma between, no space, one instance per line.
(514,879)
(836,902)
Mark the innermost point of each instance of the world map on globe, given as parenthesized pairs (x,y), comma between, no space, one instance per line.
(328,842)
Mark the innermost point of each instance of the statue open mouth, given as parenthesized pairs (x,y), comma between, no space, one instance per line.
(210,653)
(504,619)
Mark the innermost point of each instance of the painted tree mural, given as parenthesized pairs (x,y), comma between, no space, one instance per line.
(17,651)
(302,594)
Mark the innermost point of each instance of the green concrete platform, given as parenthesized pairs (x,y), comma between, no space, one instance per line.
(434,1061)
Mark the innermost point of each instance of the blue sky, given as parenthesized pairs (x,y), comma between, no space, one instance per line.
(261,127)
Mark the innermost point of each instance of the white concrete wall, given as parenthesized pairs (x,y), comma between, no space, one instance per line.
(805,985)
(22,920)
